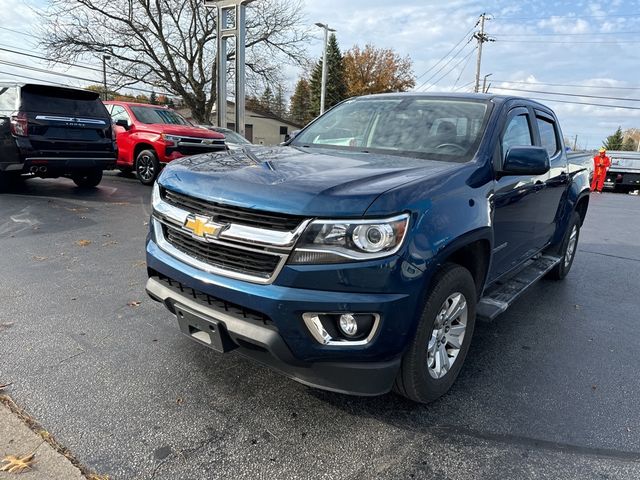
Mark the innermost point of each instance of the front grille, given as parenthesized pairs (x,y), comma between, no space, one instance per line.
(209,301)
(229,214)
(257,264)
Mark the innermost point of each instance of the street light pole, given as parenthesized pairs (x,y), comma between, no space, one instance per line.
(484,82)
(104,75)
(323,92)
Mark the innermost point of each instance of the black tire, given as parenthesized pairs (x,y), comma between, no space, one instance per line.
(568,254)
(147,167)
(87,178)
(416,379)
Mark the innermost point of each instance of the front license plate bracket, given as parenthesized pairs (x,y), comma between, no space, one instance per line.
(207,331)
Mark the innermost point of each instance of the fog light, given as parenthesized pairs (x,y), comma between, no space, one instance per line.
(348,325)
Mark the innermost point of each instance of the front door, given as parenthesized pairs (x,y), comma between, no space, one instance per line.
(515,201)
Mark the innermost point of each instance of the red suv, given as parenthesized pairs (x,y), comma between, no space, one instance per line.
(150,136)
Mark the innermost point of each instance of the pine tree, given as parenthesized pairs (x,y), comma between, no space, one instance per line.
(301,103)
(266,101)
(336,85)
(615,141)
(279,104)
(153,100)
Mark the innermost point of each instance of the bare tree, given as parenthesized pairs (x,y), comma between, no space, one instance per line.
(171,44)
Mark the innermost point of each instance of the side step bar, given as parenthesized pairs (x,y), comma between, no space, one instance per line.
(500,296)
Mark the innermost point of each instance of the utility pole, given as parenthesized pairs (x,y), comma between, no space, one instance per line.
(104,76)
(575,143)
(482,38)
(323,92)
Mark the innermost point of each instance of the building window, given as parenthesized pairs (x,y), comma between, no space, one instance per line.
(284,130)
(231,126)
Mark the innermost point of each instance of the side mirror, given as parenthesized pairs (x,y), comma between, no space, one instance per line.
(123,123)
(289,137)
(526,161)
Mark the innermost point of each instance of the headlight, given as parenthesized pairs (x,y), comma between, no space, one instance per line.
(329,241)
(170,139)
(155,195)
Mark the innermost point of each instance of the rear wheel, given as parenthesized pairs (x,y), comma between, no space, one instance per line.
(434,359)
(87,178)
(568,248)
(147,167)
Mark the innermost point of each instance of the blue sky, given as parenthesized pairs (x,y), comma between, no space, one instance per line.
(594,46)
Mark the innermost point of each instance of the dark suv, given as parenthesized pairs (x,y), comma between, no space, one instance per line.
(50,132)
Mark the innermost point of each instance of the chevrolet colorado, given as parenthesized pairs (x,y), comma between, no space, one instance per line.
(357,257)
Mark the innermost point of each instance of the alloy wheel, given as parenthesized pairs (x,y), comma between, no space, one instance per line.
(447,335)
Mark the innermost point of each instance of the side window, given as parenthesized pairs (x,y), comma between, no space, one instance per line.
(548,136)
(517,134)
(119,113)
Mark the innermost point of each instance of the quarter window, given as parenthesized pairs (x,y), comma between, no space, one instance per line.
(517,134)
(548,136)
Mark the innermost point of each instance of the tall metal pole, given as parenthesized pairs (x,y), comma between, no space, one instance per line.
(241,35)
(104,76)
(575,143)
(325,67)
(222,67)
(323,95)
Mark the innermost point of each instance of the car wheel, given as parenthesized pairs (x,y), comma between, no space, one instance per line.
(568,249)
(434,359)
(147,167)
(88,178)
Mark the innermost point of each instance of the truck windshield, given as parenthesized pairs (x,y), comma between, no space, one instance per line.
(158,115)
(447,129)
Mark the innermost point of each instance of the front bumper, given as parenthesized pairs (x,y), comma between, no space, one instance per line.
(265,345)
(268,326)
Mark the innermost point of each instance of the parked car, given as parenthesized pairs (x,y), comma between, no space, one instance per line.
(48,131)
(624,173)
(150,136)
(234,140)
(357,258)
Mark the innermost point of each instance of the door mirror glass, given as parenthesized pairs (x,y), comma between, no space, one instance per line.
(526,161)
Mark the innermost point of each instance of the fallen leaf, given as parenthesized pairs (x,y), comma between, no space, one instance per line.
(593,387)
(6,325)
(133,303)
(179,401)
(38,258)
(110,242)
(2,387)
(83,243)
(140,263)
(17,464)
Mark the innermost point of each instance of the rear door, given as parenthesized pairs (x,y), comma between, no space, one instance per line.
(66,123)
(125,142)
(557,180)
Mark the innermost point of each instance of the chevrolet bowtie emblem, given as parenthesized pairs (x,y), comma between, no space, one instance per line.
(203,227)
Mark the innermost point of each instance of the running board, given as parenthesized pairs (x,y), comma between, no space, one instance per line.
(500,296)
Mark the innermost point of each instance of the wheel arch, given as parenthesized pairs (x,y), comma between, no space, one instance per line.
(473,252)
(581,208)
(140,147)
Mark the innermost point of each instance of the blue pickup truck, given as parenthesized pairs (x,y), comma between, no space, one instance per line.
(357,257)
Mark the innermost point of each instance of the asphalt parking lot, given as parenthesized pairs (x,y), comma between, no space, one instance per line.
(550,389)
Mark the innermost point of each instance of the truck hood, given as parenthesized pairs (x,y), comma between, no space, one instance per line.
(185,131)
(299,181)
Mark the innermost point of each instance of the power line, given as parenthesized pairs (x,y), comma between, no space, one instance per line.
(568,16)
(546,42)
(33,78)
(19,32)
(585,103)
(466,57)
(444,65)
(569,94)
(462,71)
(568,85)
(32,55)
(466,35)
(591,34)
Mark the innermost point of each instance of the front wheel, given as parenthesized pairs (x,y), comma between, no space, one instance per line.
(568,249)
(147,167)
(87,179)
(434,359)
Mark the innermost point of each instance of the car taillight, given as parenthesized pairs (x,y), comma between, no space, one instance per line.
(20,125)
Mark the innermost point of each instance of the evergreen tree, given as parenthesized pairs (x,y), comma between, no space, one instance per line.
(267,100)
(301,103)
(336,84)
(615,141)
(279,104)
(153,100)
